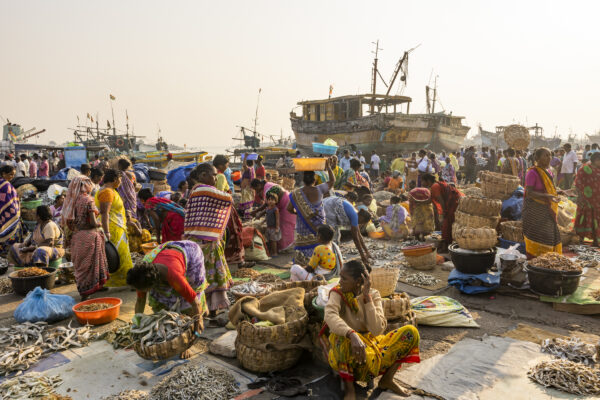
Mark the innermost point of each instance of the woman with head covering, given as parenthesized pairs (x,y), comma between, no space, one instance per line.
(448,172)
(87,243)
(421,212)
(587,183)
(394,222)
(166,216)
(445,197)
(352,178)
(11,227)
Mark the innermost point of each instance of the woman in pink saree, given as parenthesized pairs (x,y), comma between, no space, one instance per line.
(287,220)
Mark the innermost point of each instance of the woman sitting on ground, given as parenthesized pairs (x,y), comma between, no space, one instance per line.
(358,347)
(396,183)
(43,246)
(394,222)
(326,260)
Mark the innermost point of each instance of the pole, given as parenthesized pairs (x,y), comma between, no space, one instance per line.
(113,117)
(434,94)
(374,79)
(256,115)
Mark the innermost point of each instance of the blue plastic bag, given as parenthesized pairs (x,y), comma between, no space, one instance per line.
(513,206)
(178,175)
(141,173)
(41,305)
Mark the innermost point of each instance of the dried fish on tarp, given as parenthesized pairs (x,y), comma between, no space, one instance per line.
(554,261)
(250,288)
(128,395)
(245,273)
(587,256)
(196,382)
(267,278)
(30,386)
(5,286)
(119,337)
(572,349)
(568,376)
(159,327)
(421,279)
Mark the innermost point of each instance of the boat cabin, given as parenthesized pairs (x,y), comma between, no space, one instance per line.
(352,107)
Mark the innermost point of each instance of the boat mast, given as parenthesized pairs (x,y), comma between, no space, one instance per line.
(256,114)
(434,95)
(374,78)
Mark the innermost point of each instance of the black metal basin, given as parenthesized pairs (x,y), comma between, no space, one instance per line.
(472,261)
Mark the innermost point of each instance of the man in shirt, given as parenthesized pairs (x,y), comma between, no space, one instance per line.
(21,171)
(569,166)
(593,150)
(470,165)
(375,160)
(33,166)
(345,161)
(25,159)
(44,168)
(398,164)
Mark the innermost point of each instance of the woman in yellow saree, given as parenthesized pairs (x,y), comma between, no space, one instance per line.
(114,224)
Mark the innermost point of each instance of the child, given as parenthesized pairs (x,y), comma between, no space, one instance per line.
(56,209)
(394,222)
(326,260)
(273,231)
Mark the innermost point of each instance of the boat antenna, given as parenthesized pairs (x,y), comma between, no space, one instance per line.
(374,78)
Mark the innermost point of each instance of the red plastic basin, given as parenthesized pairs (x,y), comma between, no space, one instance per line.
(98,317)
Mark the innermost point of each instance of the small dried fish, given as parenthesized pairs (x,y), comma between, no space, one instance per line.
(595,294)
(572,349)
(588,256)
(120,337)
(421,279)
(32,271)
(568,376)
(250,288)
(5,285)
(246,273)
(555,261)
(267,278)
(30,386)
(196,382)
(95,307)
(159,327)
(128,395)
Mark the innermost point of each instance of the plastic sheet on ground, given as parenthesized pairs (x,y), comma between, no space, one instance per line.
(589,282)
(473,283)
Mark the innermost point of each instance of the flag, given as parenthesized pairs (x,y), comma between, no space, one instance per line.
(112,97)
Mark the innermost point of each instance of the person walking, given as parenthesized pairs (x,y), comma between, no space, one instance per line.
(569,166)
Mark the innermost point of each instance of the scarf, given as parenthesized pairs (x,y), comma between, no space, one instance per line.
(207,213)
(550,189)
(78,187)
(157,203)
(348,298)
(10,210)
(127,192)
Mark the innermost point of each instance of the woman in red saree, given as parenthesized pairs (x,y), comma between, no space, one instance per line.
(166,216)
(587,183)
(445,198)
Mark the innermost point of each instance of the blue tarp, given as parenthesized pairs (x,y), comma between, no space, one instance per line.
(141,173)
(513,207)
(178,175)
(472,284)
(62,174)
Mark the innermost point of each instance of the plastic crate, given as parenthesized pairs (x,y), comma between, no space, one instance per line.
(321,148)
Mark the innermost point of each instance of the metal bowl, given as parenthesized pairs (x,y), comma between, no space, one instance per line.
(472,261)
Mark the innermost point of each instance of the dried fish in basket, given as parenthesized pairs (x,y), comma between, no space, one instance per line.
(572,349)
(30,386)
(120,337)
(32,271)
(568,376)
(162,334)
(554,261)
(246,273)
(196,382)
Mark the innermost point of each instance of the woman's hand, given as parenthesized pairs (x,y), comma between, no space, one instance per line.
(358,348)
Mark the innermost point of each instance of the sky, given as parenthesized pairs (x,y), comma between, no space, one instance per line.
(194,68)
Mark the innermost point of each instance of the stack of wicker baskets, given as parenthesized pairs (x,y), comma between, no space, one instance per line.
(272,348)
(475,223)
(475,238)
(517,137)
(498,186)
(512,230)
(160,186)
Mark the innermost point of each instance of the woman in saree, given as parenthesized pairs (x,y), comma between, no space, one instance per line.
(445,198)
(247,200)
(114,224)
(421,212)
(394,222)
(206,215)
(540,208)
(11,227)
(357,347)
(352,179)
(587,183)
(166,216)
(172,277)
(448,172)
(307,204)
(43,246)
(287,220)
(87,242)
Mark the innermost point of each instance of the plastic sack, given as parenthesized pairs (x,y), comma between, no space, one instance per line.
(41,305)
(330,142)
(442,311)
(257,251)
(54,190)
(141,173)
(178,175)
(512,207)
(323,293)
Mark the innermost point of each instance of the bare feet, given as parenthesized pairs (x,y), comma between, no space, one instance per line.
(186,354)
(349,391)
(394,387)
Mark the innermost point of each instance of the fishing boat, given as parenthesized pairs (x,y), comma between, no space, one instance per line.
(380,122)
(539,140)
(494,140)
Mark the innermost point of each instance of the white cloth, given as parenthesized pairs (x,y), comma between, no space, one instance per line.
(425,165)
(362,159)
(21,170)
(345,163)
(375,160)
(26,162)
(461,161)
(568,162)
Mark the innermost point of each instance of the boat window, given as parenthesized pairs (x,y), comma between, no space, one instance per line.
(317,112)
(354,109)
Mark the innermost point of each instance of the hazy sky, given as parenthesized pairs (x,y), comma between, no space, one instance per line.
(195,67)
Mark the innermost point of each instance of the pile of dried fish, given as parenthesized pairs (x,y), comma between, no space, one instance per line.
(30,386)
(568,376)
(554,261)
(128,395)
(421,279)
(587,256)
(245,273)
(5,286)
(196,382)
(595,294)
(572,349)
(120,337)
(267,278)
(32,271)
(159,327)
(94,307)
(19,353)
(410,243)
(250,288)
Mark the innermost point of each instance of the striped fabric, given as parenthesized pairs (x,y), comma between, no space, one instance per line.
(207,213)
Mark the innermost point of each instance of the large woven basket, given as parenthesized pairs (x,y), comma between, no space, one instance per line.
(424,262)
(475,238)
(512,230)
(517,137)
(480,206)
(306,285)
(498,186)
(287,333)
(239,295)
(475,221)
(409,319)
(259,360)
(397,306)
(288,183)
(162,351)
(472,192)
(385,280)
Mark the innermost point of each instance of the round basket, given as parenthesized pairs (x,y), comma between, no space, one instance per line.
(517,137)
(480,206)
(472,192)
(259,360)
(475,238)
(425,262)
(162,351)
(409,319)
(287,333)
(384,280)
(498,186)
(397,306)
(307,285)
(475,221)
(239,295)
(512,230)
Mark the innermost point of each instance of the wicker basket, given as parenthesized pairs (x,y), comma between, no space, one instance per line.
(306,285)
(475,221)
(409,319)
(163,351)
(397,306)
(472,192)
(288,183)
(239,295)
(475,238)
(424,262)
(385,280)
(287,333)
(512,230)
(28,214)
(480,206)
(259,360)
(517,137)
(498,186)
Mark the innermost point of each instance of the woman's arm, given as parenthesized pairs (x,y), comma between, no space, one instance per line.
(258,210)
(358,242)
(532,193)
(331,180)
(155,223)
(332,315)
(290,208)
(104,210)
(375,318)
